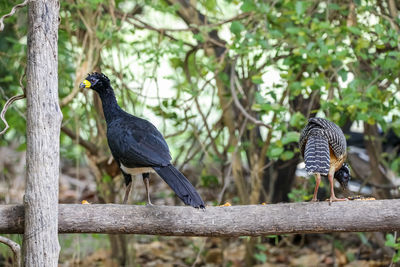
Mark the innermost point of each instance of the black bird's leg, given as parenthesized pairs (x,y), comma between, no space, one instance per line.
(128,183)
(146,184)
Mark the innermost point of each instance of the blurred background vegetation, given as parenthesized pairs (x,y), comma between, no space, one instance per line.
(230,84)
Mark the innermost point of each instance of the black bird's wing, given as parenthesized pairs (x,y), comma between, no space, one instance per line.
(137,143)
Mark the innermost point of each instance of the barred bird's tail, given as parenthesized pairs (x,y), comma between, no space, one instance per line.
(316,155)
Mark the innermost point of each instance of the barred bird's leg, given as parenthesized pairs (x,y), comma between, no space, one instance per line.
(333,197)
(317,181)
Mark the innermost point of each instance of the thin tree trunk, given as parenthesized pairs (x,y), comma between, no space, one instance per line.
(373,145)
(41,247)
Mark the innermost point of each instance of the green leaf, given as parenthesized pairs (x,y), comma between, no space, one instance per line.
(343,74)
(297,120)
(354,30)
(336,63)
(308,82)
(276,152)
(334,6)
(237,27)
(293,30)
(290,137)
(390,241)
(256,79)
(261,247)
(176,62)
(209,181)
(260,257)
(396,257)
(248,6)
(287,155)
(300,7)
(210,5)
(199,37)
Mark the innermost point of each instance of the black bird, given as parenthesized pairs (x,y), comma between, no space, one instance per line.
(137,146)
(323,147)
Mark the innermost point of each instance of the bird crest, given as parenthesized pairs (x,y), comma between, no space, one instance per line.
(99,76)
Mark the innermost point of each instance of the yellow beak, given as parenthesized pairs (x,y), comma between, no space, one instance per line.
(85,84)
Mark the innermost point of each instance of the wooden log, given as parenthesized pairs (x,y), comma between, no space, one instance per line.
(252,220)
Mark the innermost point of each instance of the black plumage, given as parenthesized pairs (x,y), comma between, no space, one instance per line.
(137,146)
(323,146)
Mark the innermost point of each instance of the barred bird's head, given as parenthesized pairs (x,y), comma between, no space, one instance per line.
(343,175)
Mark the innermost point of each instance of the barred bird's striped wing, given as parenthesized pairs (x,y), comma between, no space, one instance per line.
(316,140)
(316,154)
(332,133)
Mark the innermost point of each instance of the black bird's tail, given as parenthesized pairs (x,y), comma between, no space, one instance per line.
(181,185)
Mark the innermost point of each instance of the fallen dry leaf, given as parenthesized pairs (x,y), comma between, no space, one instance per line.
(214,255)
(361,198)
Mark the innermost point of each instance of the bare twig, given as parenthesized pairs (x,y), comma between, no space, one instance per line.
(10,101)
(86,144)
(6,105)
(16,249)
(200,252)
(191,28)
(234,81)
(204,118)
(12,12)
(228,175)
(163,33)
(388,18)
(184,128)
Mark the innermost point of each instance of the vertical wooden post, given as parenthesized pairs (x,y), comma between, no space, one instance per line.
(41,247)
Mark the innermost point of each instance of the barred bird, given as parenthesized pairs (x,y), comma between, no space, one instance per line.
(323,147)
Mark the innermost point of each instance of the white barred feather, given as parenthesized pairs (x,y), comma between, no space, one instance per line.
(315,140)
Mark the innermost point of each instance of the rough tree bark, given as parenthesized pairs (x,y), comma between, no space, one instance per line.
(41,247)
(250,220)
(373,144)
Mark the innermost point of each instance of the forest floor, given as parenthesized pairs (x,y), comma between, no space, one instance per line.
(291,250)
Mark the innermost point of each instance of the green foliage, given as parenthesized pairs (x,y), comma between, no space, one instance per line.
(210,181)
(392,242)
(260,255)
(299,195)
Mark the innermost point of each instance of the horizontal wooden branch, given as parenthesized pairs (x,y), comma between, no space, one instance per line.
(253,220)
